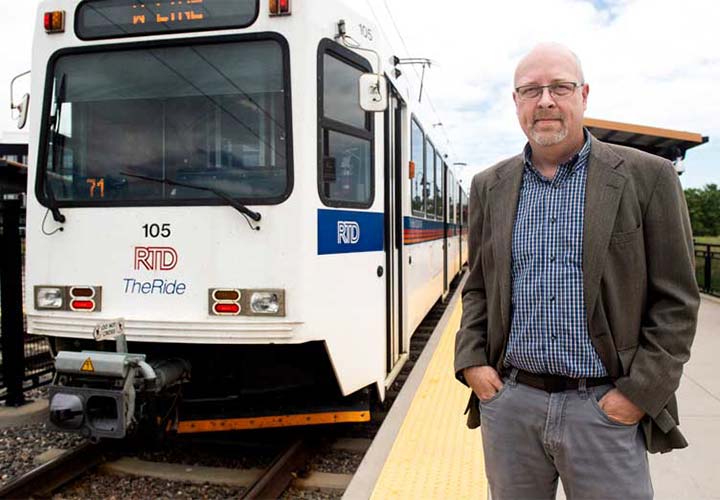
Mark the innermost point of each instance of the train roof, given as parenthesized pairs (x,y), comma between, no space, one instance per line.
(659,141)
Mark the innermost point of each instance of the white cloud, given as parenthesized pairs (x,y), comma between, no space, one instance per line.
(651,62)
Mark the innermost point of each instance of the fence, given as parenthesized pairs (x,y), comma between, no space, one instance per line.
(707,268)
(25,360)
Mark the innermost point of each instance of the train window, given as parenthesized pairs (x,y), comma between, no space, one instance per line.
(455,200)
(417,140)
(122,123)
(464,211)
(346,166)
(458,215)
(350,181)
(451,200)
(429,184)
(341,93)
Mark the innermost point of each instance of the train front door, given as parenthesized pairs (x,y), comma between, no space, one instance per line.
(396,343)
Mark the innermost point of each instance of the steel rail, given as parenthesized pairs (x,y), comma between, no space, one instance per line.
(280,473)
(48,477)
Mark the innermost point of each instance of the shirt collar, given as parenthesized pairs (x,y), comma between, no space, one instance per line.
(571,164)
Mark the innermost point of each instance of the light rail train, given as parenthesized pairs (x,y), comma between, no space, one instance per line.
(220,235)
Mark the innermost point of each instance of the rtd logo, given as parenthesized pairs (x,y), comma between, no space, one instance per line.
(155,258)
(348,232)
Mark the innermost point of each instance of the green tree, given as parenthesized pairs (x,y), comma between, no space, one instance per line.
(704,207)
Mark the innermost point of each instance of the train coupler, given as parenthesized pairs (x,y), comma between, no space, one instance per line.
(95,393)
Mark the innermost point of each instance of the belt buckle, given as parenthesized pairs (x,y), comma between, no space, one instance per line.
(550,384)
(547,384)
(555,384)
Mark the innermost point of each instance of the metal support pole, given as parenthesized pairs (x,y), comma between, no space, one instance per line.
(121,343)
(708,269)
(13,348)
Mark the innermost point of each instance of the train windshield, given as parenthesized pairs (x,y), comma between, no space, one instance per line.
(211,115)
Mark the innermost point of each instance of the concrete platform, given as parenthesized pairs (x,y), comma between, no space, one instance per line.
(31,413)
(423,449)
(694,473)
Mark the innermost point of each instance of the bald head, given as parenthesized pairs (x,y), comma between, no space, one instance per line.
(552,102)
(544,54)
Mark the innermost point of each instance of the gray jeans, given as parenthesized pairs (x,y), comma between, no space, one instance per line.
(532,437)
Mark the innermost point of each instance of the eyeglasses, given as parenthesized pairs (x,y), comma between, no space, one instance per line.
(559,89)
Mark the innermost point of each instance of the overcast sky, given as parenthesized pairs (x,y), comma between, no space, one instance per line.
(648,62)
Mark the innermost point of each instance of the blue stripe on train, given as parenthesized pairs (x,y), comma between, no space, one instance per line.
(416,230)
(348,231)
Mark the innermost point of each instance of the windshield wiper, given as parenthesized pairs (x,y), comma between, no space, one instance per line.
(54,127)
(220,194)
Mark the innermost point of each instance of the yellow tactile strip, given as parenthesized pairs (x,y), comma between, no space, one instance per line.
(435,455)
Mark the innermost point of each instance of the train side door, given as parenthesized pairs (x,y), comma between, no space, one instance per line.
(394,228)
(444,202)
(458,218)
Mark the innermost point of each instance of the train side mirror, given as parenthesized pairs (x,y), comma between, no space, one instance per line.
(373,92)
(23,110)
(22,107)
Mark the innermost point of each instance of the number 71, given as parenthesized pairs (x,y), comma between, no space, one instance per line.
(96,183)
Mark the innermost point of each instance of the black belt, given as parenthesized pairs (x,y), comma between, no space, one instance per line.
(555,383)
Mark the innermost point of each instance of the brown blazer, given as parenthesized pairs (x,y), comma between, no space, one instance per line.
(638,279)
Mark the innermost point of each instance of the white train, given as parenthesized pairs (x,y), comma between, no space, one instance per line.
(206,189)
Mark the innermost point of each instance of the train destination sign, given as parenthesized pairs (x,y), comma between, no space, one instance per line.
(117,18)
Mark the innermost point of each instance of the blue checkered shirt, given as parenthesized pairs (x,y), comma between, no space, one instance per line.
(549,332)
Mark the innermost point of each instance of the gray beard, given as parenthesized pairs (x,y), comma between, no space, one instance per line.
(545,139)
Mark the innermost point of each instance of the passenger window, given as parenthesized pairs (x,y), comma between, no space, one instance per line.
(458,215)
(465,212)
(346,170)
(439,200)
(429,186)
(351,179)
(417,140)
(341,93)
(451,201)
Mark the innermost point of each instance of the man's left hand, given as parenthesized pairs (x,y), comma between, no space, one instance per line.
(619,408)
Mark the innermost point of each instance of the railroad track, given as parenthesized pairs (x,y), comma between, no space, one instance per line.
(284,468)
(47,478)
(288,468)
(278,476)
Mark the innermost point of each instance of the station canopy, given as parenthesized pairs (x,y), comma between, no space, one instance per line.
(13,175)
(670,144)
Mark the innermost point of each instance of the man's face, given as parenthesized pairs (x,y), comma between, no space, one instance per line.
(550,120)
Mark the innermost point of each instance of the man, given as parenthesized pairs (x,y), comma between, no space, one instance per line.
(581,303)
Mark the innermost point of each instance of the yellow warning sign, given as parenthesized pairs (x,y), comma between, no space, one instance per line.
(87,366)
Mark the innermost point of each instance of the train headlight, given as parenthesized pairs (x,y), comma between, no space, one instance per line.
(68,298)
(265,302)
(243,302)
(49,298)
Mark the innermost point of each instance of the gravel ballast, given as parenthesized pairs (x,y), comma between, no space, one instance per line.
(20,445)
(121,488)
